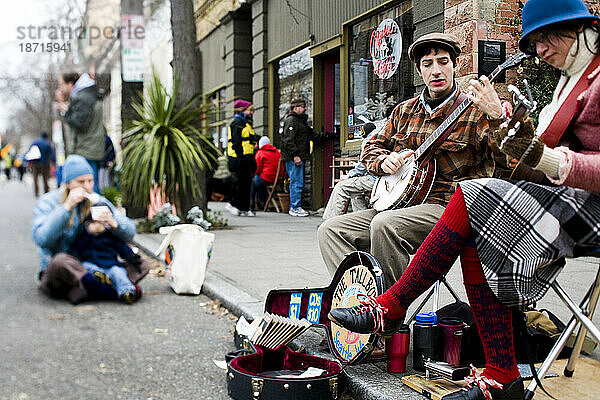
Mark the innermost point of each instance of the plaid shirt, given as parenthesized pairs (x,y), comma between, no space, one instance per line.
(465,154)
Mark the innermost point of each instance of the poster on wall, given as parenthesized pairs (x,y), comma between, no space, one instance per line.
(386,48)
(380,73)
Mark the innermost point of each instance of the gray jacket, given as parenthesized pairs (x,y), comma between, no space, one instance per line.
(84,118)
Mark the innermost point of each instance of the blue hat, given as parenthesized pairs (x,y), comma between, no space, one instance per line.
(541,13)
(75,166)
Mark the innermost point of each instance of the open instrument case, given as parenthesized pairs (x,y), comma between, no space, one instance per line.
(261,375)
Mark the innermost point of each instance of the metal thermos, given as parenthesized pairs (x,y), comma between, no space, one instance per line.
(396,350)
(425,334)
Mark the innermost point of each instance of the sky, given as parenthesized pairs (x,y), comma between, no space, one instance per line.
(13,61)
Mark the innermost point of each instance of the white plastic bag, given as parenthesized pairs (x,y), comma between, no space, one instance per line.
(34,154)
(187,253)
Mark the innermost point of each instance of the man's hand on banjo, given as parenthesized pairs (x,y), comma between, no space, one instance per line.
(482,93)
(394,161)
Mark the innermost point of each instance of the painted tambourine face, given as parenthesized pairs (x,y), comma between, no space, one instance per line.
(356,280)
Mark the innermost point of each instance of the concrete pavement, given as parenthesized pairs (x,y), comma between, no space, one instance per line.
(257,254)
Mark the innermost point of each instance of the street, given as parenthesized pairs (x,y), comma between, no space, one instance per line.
(160,348)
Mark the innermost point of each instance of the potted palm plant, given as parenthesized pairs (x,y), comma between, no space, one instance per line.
(164,147)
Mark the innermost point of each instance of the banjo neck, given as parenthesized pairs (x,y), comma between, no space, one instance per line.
(431,139)
(448,122)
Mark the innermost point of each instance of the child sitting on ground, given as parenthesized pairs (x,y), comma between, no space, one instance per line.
(99,251)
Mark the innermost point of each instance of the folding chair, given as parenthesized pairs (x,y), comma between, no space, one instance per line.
(582,315)
(435,292)
(273,188)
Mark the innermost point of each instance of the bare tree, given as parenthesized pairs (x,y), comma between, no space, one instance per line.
(186,59)
(186,63)
(31,90)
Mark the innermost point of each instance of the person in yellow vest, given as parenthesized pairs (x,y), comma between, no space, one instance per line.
(240,155)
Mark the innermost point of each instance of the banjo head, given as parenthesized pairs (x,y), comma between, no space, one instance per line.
(389,189)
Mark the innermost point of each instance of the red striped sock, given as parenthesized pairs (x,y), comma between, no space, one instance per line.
(432,260)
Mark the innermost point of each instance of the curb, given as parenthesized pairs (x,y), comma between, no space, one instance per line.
(235,300)
(363,380)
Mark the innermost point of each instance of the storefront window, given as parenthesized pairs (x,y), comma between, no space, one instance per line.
(215,122)
(381,74)
(294,80)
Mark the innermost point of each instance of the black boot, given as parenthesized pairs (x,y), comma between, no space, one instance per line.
(367,317)
(512,390)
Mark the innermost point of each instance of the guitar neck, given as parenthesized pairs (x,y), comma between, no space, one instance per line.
(448,122)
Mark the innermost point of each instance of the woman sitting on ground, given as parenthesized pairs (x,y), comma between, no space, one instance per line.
(506,231)
(57,220)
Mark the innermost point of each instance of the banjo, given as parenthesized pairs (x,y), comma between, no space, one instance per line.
(411,184)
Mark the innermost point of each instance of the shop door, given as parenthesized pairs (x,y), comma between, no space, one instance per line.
(331,116)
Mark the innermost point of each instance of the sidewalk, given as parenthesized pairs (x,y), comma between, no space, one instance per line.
(258,254)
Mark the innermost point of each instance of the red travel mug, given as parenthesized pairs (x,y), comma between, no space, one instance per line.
(396,350)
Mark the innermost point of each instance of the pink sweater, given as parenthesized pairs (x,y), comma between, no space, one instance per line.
(583,168)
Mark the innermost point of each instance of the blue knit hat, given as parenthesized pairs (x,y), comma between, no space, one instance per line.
(542,13)
(75,166)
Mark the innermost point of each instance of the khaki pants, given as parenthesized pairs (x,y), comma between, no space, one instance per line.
(390,236)
(349,192)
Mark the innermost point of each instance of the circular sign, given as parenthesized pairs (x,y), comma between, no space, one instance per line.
(358,279)
(386,48)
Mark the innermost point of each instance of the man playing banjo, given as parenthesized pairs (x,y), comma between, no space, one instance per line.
(392,235)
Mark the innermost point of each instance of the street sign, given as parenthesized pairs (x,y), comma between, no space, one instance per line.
(132,47)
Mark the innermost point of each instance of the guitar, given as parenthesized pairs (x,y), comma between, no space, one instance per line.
(411,184)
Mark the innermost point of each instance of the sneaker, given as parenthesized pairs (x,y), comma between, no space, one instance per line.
(366,317)
(480,387)
(132,296)
(243,214)
(251,213)
(232,209)
(298,212)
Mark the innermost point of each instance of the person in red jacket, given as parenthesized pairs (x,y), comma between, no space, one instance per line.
(267,159)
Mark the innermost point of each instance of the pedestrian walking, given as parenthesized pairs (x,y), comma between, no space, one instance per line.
(41,157)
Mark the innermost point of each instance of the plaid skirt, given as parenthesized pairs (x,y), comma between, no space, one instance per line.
(521,228)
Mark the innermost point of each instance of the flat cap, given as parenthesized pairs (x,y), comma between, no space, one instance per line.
(298,101)
(436,39)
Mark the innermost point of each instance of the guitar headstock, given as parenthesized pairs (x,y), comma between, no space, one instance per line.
(524,105)
(512,61)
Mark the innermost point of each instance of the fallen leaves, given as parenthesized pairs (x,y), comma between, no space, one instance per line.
(213,307)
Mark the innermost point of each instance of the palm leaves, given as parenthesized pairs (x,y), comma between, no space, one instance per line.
(163,145)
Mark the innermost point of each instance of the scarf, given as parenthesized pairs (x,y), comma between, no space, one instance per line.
(577,60)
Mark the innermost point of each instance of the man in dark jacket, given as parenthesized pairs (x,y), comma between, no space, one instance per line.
(84,117)
(295,149)
(41,166)
(267,160)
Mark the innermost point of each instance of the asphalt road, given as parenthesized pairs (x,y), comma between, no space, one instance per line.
(160,348)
